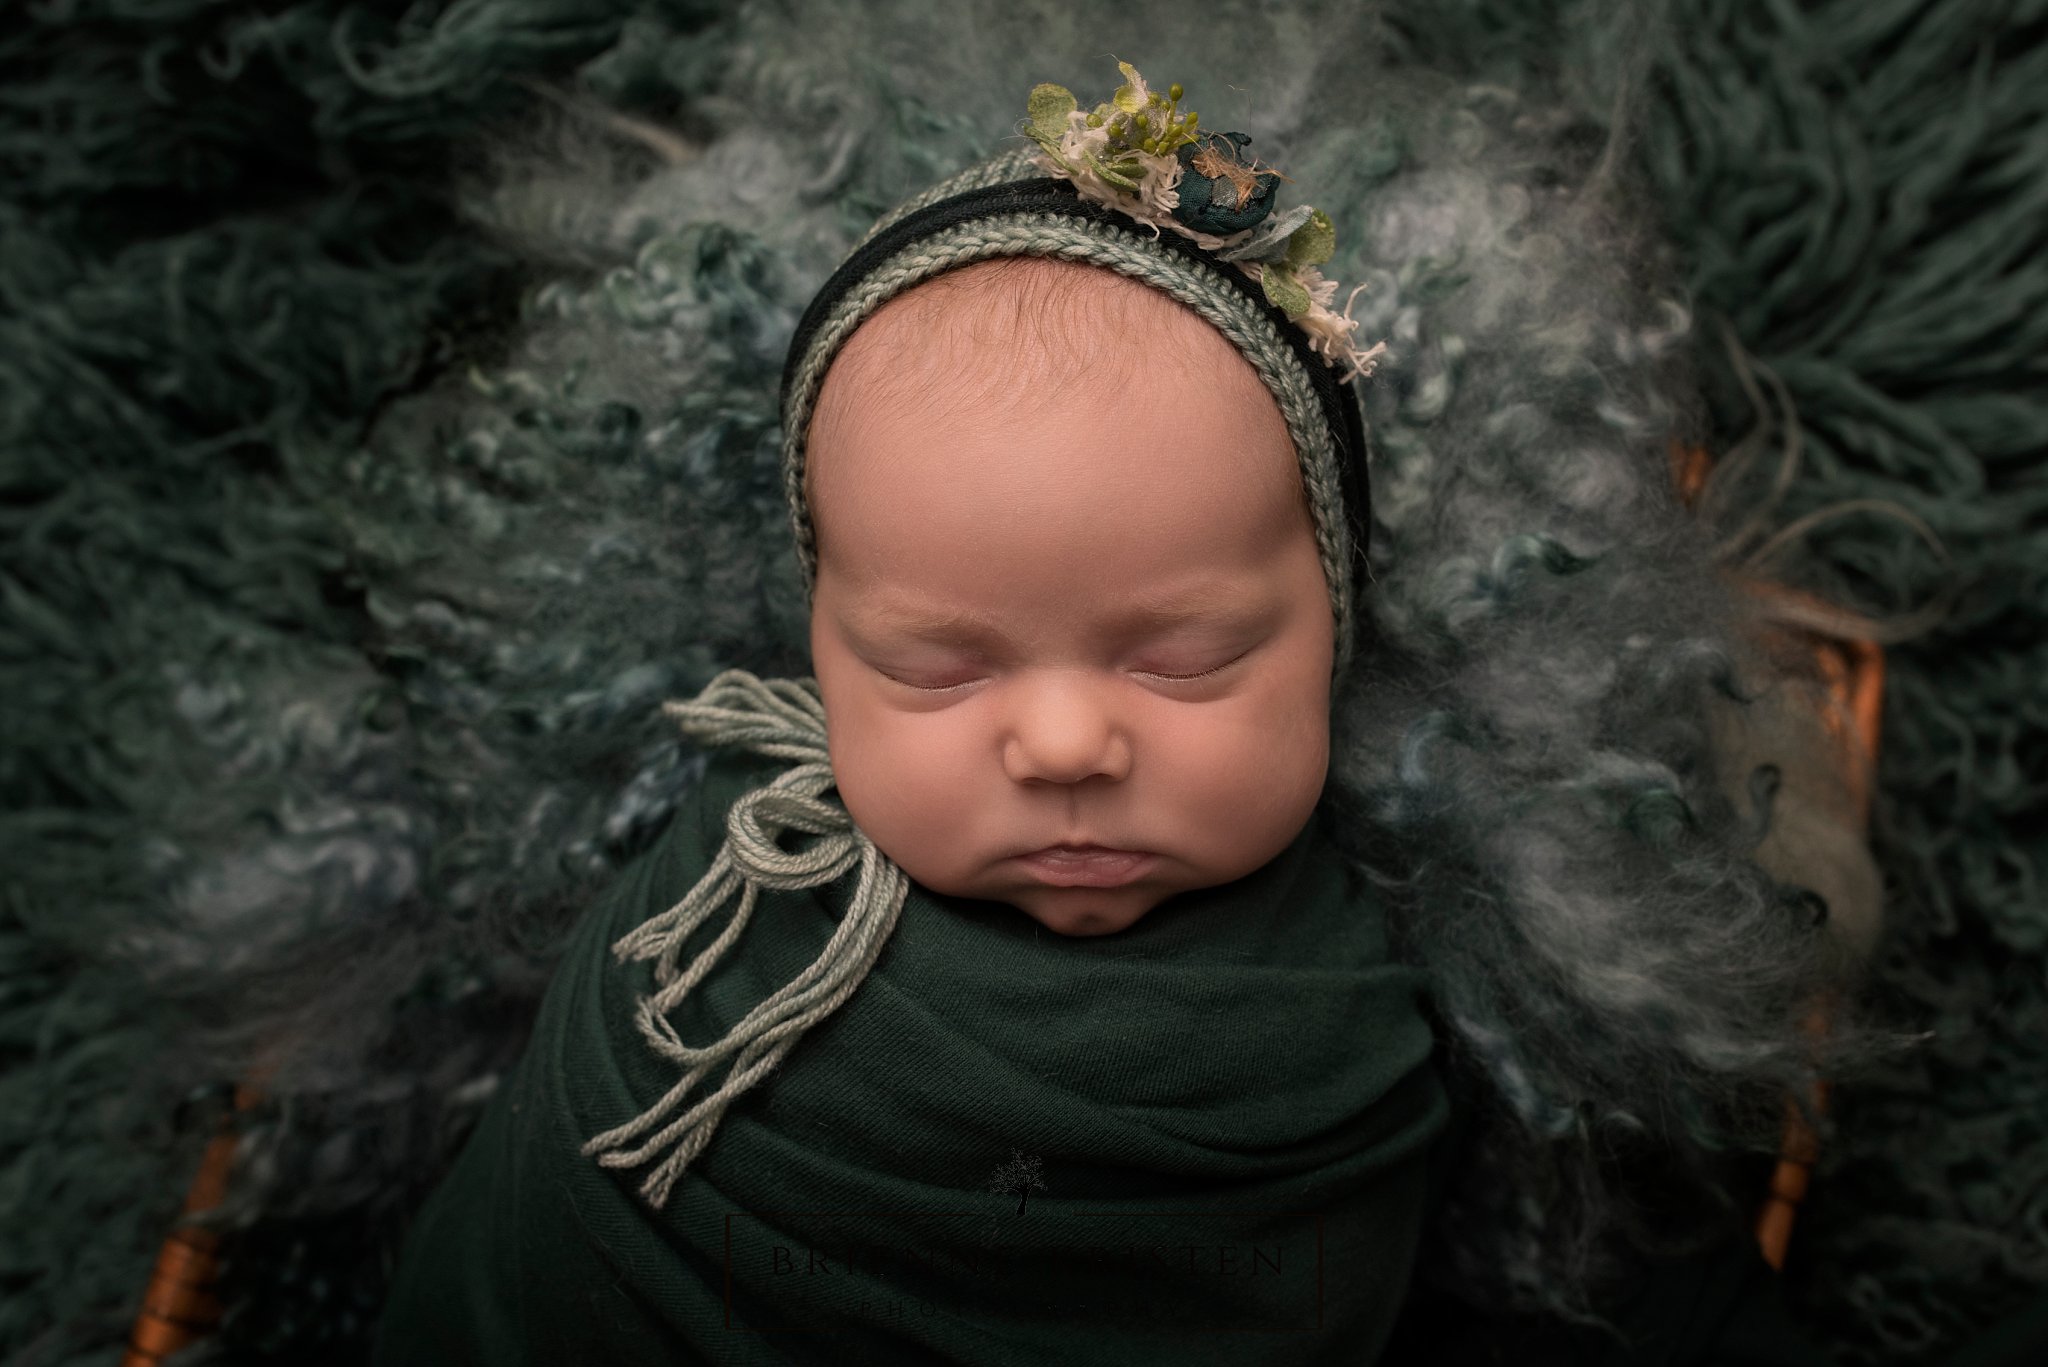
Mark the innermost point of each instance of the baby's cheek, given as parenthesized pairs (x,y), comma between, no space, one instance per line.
(1266,741)
(1248,780)
(901,789)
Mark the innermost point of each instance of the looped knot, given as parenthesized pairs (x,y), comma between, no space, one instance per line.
(793,803)
(785,719)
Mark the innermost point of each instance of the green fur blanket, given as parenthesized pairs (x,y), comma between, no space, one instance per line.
(355,523)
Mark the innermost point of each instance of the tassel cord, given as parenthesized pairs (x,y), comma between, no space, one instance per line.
(813,994)
(780,719)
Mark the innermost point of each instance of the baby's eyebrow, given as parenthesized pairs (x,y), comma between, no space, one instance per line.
(968,627)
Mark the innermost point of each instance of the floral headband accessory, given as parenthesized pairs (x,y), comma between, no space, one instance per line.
(1140,154)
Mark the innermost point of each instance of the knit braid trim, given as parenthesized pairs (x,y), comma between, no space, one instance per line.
(783,719)
(1130,253)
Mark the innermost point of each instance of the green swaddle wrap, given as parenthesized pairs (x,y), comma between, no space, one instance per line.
(1202,1139)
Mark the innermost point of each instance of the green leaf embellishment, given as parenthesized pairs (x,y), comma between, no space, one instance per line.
(1313,243)
(1111,173)
(1049,107)
(1283,291)
(1127,97)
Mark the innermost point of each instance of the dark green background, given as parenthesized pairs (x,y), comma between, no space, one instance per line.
(233,237)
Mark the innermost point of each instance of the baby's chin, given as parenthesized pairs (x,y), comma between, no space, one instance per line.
(1083,913)
(1077,912)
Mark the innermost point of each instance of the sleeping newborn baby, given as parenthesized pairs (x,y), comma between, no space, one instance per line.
(1078,497)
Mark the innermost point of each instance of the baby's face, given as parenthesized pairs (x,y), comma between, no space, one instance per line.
(1082,608)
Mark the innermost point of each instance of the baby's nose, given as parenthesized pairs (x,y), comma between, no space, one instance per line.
(1064,730)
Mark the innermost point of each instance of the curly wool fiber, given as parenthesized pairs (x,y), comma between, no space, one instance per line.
(1528,753)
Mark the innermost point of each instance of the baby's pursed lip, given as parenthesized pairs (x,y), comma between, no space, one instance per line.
(1091,866)
(1077,850)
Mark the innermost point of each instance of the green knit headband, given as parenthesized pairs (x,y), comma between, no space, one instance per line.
(1010,206)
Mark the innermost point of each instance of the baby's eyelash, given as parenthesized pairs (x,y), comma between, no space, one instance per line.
(1154,674)
(927,688)
(1189,678)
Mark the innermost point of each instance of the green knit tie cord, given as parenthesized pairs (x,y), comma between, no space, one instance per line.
(783,719)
